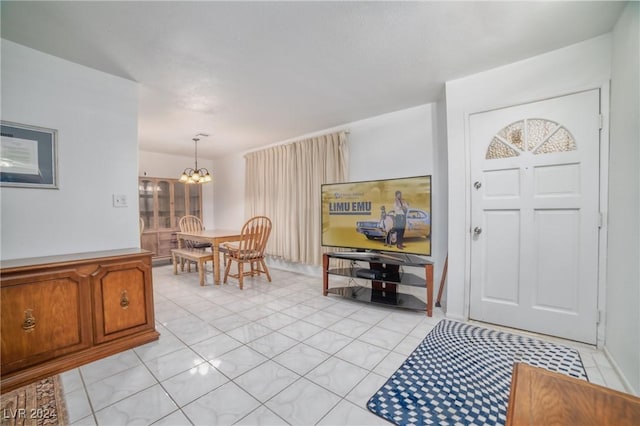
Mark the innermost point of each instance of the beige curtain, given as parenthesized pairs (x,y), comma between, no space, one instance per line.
(284,184)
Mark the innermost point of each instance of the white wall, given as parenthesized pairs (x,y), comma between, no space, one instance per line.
(153,164)
(228,209)
(96,118)
(623,270)
(398,144)
(579,67)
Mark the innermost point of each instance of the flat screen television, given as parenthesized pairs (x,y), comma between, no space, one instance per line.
(369,215)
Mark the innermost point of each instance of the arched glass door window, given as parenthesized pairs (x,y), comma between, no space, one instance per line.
(535,135)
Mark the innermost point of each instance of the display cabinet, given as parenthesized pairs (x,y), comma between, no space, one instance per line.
(162,203)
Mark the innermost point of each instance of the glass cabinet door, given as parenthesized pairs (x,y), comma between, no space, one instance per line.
(145,189)
(163,189)
(179,201)
(195,192)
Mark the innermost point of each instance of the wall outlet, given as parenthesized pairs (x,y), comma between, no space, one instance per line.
(119,200)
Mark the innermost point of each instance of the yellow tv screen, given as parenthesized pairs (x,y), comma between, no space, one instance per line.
(381,215)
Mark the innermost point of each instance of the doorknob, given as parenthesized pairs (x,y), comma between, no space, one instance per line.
(477,185)
(477,230)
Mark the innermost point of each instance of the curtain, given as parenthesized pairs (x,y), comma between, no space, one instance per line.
(284,182)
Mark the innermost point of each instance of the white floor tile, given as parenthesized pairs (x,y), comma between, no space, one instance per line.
(238,361)
(190,385)
(78,407)
(262,416)
(142,408)
(300,311)
(71,380)
(300,330)
(229,322)
(223,406)
(166,344)
(303,403)
(119,386)
(362,354)
(337,375)
(390,364)
(191,329)
(407,345)
(256,313)
(266,380)
(249,332)
(86,421)
(214,347)
(364,390)
(301,358)
(176,362)
(323,319)
(177,418)
(328,341)
(273,344)
(109,366)
(277,320)
(350,327)
(348,414)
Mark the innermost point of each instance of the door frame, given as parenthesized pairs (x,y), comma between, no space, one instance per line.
(602,199)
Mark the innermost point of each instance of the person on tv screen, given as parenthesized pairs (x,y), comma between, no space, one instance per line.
(386,223)
(400,218)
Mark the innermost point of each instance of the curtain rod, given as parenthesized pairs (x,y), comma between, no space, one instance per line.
(294,140)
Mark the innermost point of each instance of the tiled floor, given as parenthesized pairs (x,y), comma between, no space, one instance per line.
(272,354)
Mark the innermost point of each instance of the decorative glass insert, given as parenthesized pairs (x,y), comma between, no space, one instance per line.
(560,141)
(513,134)
(500,149)
(538,131)
(535,135)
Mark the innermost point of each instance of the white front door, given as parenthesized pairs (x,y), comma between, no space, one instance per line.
(535,216)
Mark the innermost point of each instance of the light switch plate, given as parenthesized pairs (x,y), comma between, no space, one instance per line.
(119,200)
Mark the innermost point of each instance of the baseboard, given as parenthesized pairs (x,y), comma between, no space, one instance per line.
(618,371)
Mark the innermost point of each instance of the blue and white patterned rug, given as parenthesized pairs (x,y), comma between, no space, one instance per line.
(461,374)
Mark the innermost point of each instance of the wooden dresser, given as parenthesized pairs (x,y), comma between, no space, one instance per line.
(542,397)
(60,312)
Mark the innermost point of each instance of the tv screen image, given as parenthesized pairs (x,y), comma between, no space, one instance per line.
(391,215)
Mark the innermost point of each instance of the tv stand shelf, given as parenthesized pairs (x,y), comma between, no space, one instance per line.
(385,276)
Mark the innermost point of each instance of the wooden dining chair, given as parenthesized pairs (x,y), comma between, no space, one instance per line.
(249,249)
(191,223)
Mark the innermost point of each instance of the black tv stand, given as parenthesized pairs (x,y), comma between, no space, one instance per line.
(385,275)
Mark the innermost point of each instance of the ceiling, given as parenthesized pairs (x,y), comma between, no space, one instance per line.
(254,73)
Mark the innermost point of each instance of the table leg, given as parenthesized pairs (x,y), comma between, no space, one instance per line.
(216,263)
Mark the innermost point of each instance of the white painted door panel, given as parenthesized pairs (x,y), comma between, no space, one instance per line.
(535,192)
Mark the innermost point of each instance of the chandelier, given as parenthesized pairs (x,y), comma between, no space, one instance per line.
(196,175)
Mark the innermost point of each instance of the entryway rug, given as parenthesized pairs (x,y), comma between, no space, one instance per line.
(37,404)
(460,375)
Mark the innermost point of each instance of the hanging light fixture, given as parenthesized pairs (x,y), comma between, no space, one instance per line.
(196,175)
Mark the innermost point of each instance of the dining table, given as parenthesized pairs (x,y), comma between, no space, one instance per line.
(213,236)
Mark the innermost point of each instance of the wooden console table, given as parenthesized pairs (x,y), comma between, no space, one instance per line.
(60,312)
(384,287)
(542,397)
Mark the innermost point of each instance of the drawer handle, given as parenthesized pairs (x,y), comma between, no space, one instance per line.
(124,299)
(29,323)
